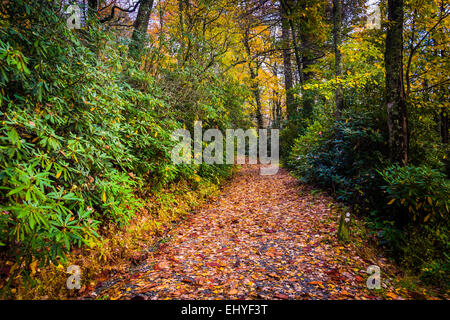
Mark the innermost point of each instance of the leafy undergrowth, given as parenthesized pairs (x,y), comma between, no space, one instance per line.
(117,250)
(265,237)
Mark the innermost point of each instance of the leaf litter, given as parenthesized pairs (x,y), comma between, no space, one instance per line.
(265,237)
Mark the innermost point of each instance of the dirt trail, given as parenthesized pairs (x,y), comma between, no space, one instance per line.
(266,237)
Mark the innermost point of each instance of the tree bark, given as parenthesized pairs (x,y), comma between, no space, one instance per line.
(444,97)
(397,119)
(254,82)
(140,28)
(298,55)
(93,5)
(337,40)
(92,8)
(444,126)
(288,83)
(287,7)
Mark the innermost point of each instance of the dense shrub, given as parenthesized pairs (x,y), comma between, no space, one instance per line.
(340,158)
(420,194)
(407,207)
(419,204)
(291,129)
(426,250)
(84,132)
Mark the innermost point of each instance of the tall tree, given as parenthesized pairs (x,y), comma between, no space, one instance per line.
(287,67)
(397,119)
(253,66)
(140,27)
(288,8)
(444,125)
(337,40)
(93,5)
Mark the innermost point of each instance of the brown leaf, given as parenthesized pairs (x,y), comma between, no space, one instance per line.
(281,296)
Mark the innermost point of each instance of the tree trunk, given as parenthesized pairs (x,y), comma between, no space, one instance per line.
(395,97)
(276,109)
(92,8)
(307,96)
(337,40)
(442,54)
(140,28)
(93,5)
(290,107)
(298,55)
(444,126)
(287,7)
(254,82)
(259,117)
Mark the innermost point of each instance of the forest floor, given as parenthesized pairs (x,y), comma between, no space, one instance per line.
(264,237)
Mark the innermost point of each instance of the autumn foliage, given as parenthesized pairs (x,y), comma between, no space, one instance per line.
(86,117)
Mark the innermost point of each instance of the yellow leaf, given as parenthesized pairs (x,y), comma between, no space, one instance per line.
(58,175)
(391,202)
(392,295)
(430,201)
(232,292)
(104,196)
(427,217)
(33,267)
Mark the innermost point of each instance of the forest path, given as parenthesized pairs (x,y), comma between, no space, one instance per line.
(265,237)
